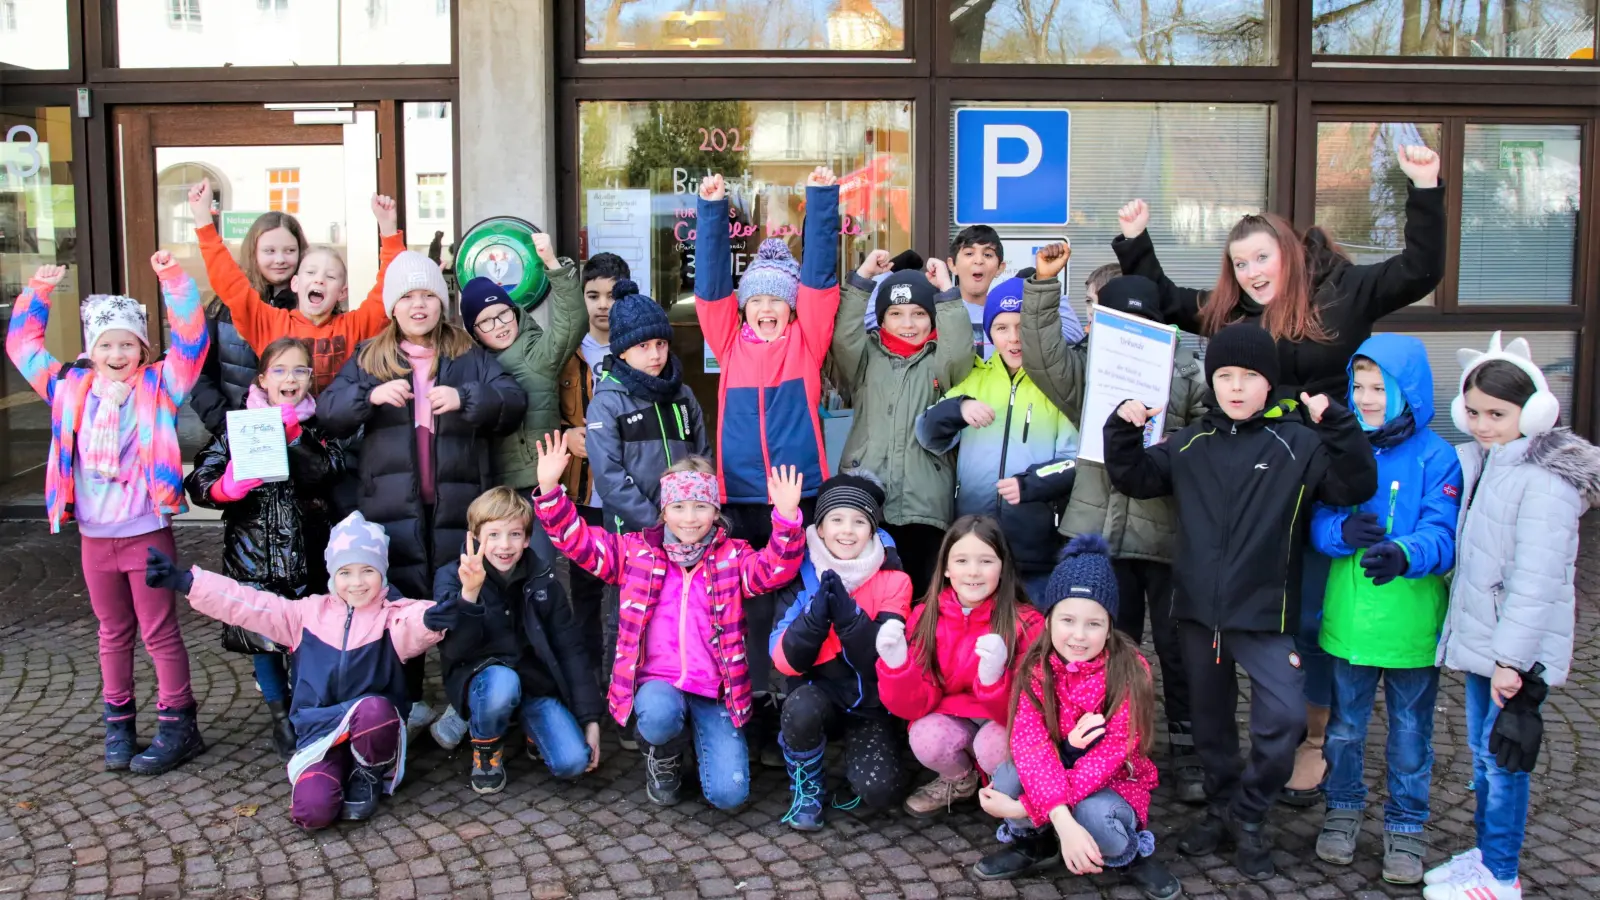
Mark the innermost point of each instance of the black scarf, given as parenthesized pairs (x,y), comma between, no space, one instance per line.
(1395,431)
(661,388)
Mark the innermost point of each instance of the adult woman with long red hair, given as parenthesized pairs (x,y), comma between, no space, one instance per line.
(1319,307)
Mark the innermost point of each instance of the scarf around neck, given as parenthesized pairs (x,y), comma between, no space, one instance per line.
(853,572)
(904,349)
(304,408)
(101,454)
(661,388)
(687,556)
(421,359)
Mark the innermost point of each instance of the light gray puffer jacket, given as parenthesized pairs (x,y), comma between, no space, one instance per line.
(1513,598)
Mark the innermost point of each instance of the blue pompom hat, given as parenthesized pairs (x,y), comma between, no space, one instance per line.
(1084,571)
(635,318)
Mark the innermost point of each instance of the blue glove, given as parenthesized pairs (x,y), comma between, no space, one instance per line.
(1385,562)
(1361,530)
(161,572)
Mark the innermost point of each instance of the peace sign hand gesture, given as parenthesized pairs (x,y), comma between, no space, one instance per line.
(470,570)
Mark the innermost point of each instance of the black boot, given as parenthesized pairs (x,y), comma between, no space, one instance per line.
(1253,853)
(1205,836)
(1152,878)
(1030,850)
(177,741)
(362,791)
(1187,774)
(122,738)
(663,773)
(283,739)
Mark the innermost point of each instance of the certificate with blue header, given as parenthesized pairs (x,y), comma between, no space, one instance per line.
(1129,358)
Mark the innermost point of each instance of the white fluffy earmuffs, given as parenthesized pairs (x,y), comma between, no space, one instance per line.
(1539,414)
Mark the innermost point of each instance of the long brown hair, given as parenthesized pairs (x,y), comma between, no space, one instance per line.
(277,348)
(269,221)
(1291,316)
(385,361)
(1004,619)
(1127,681)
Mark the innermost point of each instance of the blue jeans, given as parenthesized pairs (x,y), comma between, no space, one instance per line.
(1314,661)
(1036,585)
(272,676)
(497,691)
(1108,818)
(661,712)
(1409,695)
(1502,814)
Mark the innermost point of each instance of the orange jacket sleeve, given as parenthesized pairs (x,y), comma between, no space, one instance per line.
(257,321)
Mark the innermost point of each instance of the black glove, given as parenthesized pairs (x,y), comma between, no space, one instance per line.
(162,572)
(841,607)
(1519,728)
(1384,562)
(1361,530)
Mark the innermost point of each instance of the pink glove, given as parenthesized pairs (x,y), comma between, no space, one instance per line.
(226,490)
(291,423)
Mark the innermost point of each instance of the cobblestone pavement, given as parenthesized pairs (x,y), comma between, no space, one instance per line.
(218,827)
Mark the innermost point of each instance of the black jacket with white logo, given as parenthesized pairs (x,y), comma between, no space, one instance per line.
(1244,492)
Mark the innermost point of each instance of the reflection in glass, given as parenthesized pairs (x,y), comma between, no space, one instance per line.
(1484,29)
(183,33)
(1519,213)
(1115,32)
(674,25)
(1555,352)
(430,179)
(34,34)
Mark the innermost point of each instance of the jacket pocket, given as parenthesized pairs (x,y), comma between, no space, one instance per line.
(1498,593)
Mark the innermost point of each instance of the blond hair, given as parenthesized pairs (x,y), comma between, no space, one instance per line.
(1363,364)
(498,503)
(384,360)
(691,464)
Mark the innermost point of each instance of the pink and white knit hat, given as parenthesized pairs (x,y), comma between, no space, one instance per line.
(680,487)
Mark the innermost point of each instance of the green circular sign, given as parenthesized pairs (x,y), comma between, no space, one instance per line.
(501,250)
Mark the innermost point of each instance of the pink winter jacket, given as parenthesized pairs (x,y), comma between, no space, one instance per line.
(912,692)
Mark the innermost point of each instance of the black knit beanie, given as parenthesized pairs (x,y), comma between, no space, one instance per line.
(853,492)
(908,286)
(1084,571)
(1246,345)
(1134,295)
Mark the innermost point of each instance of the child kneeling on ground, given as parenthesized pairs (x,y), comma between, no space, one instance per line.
(349,646)
(1077,786)
(515,646)
(680,642)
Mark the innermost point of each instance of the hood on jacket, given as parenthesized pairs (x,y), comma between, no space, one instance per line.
(1404,361)
(1573,459)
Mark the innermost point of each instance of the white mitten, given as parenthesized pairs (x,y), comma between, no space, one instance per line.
(991,650)
(892,643)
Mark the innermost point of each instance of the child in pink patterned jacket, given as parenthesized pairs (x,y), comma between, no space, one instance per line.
(1077,786)
(681,663)
(115,467)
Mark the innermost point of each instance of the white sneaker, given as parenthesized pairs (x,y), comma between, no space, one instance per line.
(1476,884)
(1454,867)
(449,729)
(421,715)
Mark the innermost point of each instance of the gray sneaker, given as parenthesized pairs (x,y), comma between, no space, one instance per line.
(1402,857)
(1337,842)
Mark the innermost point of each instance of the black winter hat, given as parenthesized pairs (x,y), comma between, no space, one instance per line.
(1084,571)
(1246,345)
(478,295)
(902,287)
(1134,295)
(851,491)
(635,318)
(908,259)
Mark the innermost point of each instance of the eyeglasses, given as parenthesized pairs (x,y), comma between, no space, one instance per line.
(499,321)
(298,373)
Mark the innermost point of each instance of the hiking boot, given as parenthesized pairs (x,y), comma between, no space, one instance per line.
(283,740)
(663,775)
(1337,842)
(532,750)
(449,730)
(1305,785)
(177,741)
(1252,853)
(940,794)
(361,793)
(1206,836)
(1027,850)
(806,783)
(122,737)
(1402,857)
(1188,775)
(488,768)
(1152,879)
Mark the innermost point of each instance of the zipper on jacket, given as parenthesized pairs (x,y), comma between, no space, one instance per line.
(1027,422)
(683,629)
(344,649)
(1005,436)
(1216,644)
(1283,613)
(661,423)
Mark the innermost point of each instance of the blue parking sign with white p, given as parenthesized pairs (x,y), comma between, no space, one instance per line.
(1011,166)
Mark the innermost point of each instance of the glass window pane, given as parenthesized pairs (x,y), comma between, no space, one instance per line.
(846,26)
(183,33)
(1519,213)
(1486,29)
(430,180)
(1149,33)
(1556,352)
(38,226)
(33,34)
(1361,191)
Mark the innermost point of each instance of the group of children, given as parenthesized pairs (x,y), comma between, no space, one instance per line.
(436,471)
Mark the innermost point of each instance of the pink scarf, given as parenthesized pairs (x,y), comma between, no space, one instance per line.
(101,453)
(421,359)
(304,408)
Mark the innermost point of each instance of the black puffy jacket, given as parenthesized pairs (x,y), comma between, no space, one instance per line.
(230,366)
(274,538)
(388,491)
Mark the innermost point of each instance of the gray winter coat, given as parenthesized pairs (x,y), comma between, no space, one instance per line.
(631,443)
(1513,600)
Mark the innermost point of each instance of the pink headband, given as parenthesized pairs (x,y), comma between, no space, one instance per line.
(678,487)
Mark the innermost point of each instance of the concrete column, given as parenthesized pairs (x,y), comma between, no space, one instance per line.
(507,111)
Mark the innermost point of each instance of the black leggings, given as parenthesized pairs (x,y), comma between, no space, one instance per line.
(1141,581)
(752,523)
(871,752)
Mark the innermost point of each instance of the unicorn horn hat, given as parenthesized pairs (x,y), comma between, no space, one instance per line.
(1539,413)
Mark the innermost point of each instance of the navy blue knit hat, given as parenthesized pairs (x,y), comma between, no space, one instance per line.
(478,295)
(635,318)
(1084,571)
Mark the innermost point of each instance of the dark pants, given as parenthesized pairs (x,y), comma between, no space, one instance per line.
(586,592)
(1409,697)
(1314,660)
(1277,714)
(752,523)
(918,547)
(318,796)
(871,752)
(1142,583)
